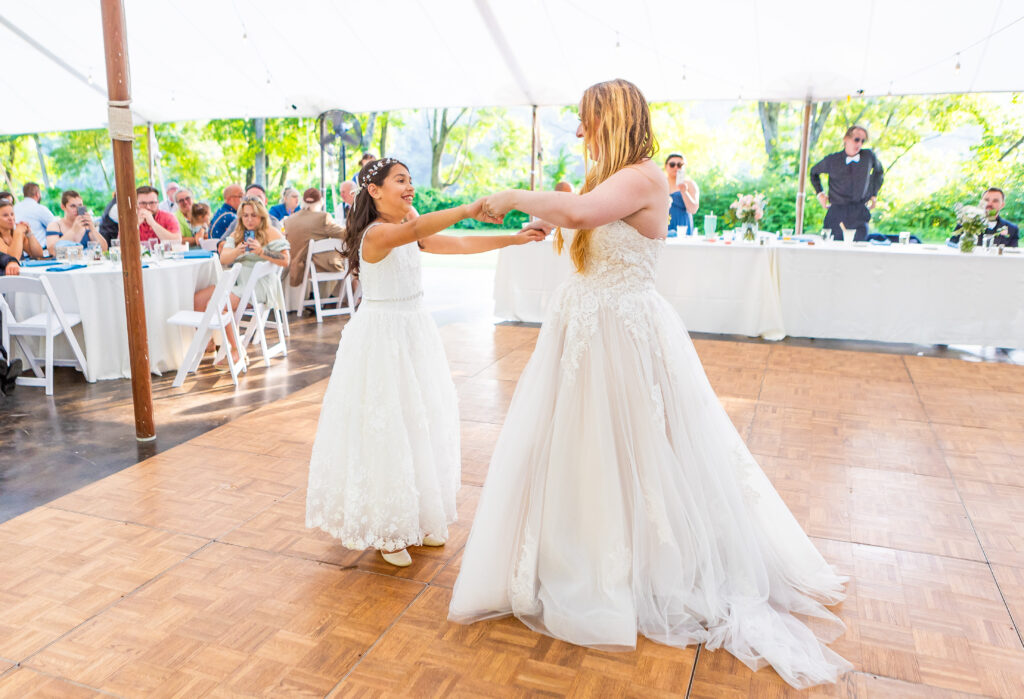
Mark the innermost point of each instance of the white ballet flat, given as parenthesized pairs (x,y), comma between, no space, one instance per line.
(400,559)
(431,540)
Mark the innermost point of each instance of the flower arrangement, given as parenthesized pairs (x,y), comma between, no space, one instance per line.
(973,221)
(748,210)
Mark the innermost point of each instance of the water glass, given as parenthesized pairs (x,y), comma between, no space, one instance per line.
(787,233)
(849,235)
(94,253)
(710,222)
(75,254)
(826,235)
(904,237)
(115,253)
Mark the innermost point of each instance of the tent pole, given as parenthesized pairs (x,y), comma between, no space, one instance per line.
(149,153)
(115,41)
(805,136)
(533,151)
(323,164)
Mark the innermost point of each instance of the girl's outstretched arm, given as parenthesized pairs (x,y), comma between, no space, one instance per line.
(467,245)
(382,239)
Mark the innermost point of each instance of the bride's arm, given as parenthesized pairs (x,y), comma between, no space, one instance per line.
(622,194)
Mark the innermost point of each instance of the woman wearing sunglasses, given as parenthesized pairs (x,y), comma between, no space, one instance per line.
(685,196)
(854,178)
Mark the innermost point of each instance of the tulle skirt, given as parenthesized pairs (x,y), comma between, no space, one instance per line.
(385,466)
(621,500)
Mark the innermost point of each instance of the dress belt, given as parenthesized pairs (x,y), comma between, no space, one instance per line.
(417,295)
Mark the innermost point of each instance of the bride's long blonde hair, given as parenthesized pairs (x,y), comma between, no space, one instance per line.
(617,126)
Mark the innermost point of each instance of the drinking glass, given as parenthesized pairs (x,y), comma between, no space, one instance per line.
(115,253)
(849,235)
(94,253)
(904,237)
(710,222)
(826,234)
(787,233)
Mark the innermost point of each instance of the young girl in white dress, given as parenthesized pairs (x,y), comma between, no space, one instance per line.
(386,465)
(620,498)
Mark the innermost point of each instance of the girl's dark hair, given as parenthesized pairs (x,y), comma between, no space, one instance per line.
(364,209)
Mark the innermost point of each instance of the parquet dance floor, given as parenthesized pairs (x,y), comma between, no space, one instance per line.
(191,573)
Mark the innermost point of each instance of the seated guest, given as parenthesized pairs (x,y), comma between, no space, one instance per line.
(183,213)
(33,213)
(155,224)
(367,158)
(108,221)
(993,201)
(256,191)
(9,266)
(288,206)
(264,244)
(169,203)
(200,221)
(225,215)
(75,226)
(16,239)
(564,186)
(347,194)
(312,223)
(685,196)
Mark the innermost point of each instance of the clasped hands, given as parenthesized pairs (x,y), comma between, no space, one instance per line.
(492,208)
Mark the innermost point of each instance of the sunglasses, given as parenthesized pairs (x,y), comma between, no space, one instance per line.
(675,164)
(857,140)
(252,198)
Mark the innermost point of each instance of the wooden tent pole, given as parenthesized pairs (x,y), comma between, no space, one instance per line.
(115,42)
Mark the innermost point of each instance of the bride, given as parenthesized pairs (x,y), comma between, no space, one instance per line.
(620,498)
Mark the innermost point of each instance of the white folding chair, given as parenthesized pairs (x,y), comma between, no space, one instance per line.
(255,327)
(314,277)
(48,324)
(209,244)
(218,317)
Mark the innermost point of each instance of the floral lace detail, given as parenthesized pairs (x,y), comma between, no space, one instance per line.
(620,279)
(746,469)
(617,563)
(522,589)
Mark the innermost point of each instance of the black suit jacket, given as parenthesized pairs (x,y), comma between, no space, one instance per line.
(1010,240)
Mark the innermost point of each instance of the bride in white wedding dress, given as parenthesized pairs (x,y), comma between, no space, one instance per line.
(620,498)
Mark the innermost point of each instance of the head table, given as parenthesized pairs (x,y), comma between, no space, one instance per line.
(925,294)
(96,293)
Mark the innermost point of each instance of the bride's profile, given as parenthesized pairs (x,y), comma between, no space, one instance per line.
(620,498)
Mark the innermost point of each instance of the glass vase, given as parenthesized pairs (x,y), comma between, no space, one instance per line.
(750,230)
(967,241)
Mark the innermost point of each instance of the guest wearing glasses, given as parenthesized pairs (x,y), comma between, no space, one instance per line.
(155,224)
(854,177)
(685,196)
(75,226)
(288,206)
(183,214)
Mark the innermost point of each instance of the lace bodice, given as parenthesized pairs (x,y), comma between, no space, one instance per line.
(395,278)
(621,261)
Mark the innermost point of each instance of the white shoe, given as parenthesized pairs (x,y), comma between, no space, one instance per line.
(399,559)
(431,540)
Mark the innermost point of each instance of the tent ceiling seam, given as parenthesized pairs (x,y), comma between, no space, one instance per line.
(504,49)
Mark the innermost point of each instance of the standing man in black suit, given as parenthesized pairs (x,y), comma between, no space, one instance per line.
(993,201)
(854,177)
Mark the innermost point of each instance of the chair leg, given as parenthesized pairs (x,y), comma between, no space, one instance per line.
(49,364)
(79,355)
(33,365)
(232,366)
(316,301)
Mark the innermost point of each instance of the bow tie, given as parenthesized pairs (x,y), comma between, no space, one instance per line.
(853,159)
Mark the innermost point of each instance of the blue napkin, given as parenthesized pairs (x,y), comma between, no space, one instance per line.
(65,268)
(881,242)
(38,263)
(197,254)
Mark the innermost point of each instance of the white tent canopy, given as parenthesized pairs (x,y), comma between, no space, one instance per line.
(203,59)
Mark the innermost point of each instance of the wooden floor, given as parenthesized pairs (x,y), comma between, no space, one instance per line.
(191,574)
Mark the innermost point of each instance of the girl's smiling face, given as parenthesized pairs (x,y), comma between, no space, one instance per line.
(395,193)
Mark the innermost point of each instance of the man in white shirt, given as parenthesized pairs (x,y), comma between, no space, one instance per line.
(33,213)
(169,204)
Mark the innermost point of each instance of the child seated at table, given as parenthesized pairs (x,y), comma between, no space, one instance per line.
(200,221)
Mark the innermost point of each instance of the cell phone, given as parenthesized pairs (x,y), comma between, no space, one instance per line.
(250,235)
(81,211)
(680,176)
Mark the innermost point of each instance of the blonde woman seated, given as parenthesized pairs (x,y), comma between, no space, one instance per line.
(253,241)
(75,227)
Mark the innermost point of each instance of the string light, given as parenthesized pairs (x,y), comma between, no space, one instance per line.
(618,43)
(956,68)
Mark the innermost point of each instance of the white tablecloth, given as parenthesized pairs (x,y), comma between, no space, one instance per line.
(715,288)
(97,295)
(903,294)
(915,294)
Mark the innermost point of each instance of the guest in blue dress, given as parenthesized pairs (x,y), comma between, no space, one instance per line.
(288,206)
(685,196)
(73,227)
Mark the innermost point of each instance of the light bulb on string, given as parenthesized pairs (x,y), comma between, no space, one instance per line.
(618,43)
(956,68)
